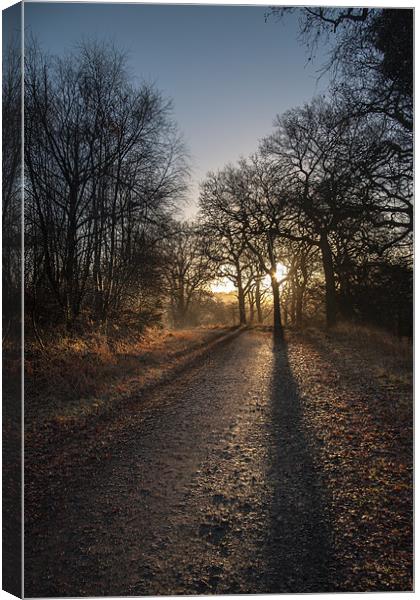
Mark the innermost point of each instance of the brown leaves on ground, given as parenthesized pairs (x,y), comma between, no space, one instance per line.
(356,398)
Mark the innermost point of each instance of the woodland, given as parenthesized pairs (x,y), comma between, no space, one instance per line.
(220,404)
(327,196)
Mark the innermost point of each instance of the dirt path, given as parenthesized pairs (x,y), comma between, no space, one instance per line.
(211,486)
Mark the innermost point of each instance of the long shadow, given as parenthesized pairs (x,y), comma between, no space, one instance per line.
(299,556)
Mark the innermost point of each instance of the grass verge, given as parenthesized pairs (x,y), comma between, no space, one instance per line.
(82,377)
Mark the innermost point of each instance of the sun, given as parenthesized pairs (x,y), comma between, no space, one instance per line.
(226,286)
(281,273)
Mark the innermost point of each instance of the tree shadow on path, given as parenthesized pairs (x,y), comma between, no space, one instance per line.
(299,555)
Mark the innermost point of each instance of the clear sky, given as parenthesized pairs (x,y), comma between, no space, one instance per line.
(227,70)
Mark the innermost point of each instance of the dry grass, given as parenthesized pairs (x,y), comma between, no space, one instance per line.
(76,377)
(373,359)
(390,358)
(387,356)
(377,340)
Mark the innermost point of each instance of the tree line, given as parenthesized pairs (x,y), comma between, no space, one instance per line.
(104,167)
(328,194)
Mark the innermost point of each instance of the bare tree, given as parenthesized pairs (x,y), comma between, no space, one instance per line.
(253,210)
(105,166)
(227,245)
(312,147)
(187,270)
(371,55)
(11,180)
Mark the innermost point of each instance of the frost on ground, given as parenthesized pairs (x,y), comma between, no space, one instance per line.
(265,468)
(358,409)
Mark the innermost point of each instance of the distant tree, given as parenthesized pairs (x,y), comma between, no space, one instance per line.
(187,270)
(256,291)
(300,260)
(246,196)
(227,245)
(262,210)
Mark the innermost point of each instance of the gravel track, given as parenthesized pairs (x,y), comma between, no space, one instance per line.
(210,487)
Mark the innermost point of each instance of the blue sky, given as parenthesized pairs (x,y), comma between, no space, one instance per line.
(11,27)
(227,70)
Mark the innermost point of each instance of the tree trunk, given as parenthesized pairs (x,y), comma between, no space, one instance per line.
(293,302)
(251,308)
(70,265)
(345,301)
(181,308)
(241,299)
(330,296)
(258,301)
(241,302)
(278,327)
(299,306)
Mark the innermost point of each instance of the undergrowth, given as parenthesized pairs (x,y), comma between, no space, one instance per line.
(75,375)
